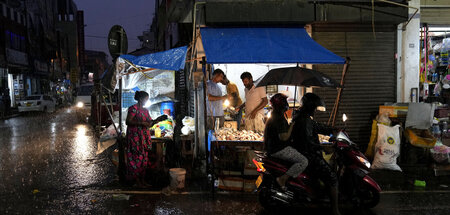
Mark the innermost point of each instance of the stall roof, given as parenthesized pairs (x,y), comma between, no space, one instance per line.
(264,45)
(173,59)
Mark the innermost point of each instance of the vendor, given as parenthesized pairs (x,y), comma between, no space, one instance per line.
(235,99)
(215,100)
(255,101)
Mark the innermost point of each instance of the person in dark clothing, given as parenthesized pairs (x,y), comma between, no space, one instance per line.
(277,135)
(306,140)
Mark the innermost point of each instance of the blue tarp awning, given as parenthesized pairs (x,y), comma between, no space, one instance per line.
(264,45)
(173,59)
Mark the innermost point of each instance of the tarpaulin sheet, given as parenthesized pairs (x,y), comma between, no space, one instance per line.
(173,59)
(264,45)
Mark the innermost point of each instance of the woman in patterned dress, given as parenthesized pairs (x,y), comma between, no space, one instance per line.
(139,138)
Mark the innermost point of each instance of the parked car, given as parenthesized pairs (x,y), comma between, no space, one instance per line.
(37,103)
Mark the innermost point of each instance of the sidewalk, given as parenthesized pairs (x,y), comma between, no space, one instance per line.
(394,180)
(13,113)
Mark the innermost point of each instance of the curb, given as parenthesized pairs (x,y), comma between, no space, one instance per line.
(10,116)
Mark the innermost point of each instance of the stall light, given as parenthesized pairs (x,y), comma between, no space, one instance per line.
(147,104)
(269,114)
(344,117)
(226,103)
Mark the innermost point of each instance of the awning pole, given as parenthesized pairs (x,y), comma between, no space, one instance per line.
(334,112)
(120,106)
(203,62)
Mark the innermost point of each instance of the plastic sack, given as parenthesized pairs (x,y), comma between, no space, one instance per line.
(109,133)
(188,121)
(185,130)
(189,125)
(387,148)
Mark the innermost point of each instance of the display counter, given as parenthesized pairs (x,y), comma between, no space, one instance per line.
(231,164)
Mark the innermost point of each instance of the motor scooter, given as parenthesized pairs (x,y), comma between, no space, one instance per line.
(355,185)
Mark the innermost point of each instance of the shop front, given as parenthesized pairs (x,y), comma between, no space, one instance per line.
(255,50)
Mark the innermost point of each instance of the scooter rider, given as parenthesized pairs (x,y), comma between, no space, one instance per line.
(305,136)
(277,134)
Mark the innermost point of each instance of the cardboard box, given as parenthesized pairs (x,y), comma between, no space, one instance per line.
(394,111)
(231,183)
(441,112)
(249,185)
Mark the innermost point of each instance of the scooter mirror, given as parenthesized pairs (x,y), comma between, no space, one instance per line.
(344,117)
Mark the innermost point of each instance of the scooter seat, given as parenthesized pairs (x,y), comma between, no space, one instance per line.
(277,162)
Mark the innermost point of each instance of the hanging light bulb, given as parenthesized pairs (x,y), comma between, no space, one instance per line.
(226,103)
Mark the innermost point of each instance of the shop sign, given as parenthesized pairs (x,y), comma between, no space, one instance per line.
(117,41)
(40,66)
(16,57)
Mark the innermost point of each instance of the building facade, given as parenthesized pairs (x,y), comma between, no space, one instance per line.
(38,46)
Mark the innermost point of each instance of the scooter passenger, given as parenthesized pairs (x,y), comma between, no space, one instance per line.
(305,136)
(277,136)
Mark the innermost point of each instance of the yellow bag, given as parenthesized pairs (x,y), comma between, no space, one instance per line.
(373,140)
(420,138)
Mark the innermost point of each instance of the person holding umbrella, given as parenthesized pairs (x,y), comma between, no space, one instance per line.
(255,101)
(277,136)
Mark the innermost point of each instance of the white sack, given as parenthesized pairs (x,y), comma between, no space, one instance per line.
(387,148)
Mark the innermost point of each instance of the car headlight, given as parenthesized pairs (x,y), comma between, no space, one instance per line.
(80,104)
(364,161)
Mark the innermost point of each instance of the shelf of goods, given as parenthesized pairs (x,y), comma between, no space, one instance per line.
(232,153)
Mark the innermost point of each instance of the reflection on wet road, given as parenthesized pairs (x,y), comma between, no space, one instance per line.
(46,161)
(48,166)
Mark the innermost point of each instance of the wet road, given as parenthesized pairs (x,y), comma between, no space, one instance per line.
(48,166)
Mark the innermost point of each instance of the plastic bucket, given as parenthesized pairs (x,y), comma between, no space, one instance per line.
(177,177)
(167,105)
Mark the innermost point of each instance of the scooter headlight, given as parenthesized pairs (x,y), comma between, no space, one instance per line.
(364,161)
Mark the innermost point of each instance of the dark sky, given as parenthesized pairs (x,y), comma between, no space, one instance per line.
(134,16)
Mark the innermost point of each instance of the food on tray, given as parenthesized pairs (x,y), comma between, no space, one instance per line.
(235,135)
(324,138)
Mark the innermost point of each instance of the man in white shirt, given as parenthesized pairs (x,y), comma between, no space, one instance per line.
(215,100)
(256,100)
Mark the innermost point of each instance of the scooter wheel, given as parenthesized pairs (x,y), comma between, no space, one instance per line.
(369,196)
(266,200)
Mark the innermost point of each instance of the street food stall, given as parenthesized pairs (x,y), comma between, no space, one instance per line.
(230,150)
(155,74)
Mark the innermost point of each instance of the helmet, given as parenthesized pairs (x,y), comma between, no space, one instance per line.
(311,102)
(279,102)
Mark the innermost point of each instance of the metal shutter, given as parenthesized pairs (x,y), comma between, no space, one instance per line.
(370,80)
(435,16)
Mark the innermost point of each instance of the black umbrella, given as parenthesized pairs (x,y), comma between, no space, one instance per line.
(296,76)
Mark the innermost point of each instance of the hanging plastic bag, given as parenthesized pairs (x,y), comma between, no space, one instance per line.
(387,148)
